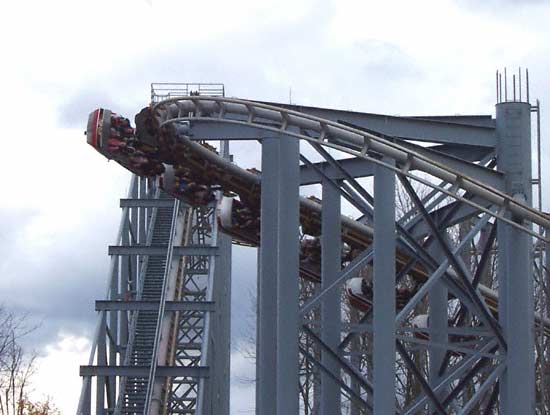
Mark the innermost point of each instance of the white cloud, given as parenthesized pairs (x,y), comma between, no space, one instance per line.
(61,362)
(62,58)
(243,372)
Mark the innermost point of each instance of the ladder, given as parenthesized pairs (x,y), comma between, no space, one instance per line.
(165,311)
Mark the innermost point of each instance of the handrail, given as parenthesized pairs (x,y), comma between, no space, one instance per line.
(134,318)
(162,306)
(97,331)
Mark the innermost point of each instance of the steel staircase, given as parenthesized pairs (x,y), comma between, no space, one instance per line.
(146,323)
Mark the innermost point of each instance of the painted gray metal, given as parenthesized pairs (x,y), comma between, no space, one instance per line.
(145,203)
(287,276)
(516,274)
(359,143)
(113,358)
(266,376)
(143,371)
(331,249)
(221,336)
(161,251)
(498,353)
(441,130)
(459,157)
(114,305)
(384,348)
(438,315)
(312,174)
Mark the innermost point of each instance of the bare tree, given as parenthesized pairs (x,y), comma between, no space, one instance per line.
(17,368)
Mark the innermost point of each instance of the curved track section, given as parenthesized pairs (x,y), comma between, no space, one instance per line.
(349,140)
(194,171)
(169,142)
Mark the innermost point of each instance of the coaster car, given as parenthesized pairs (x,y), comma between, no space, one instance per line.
(360,293)
(112,136)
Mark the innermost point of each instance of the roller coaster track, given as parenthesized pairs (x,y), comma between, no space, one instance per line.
(266,120)
(357,143)
(171,136)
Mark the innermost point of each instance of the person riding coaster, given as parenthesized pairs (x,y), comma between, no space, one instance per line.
(195,178)
(360,293)
(112,135)
(175,183)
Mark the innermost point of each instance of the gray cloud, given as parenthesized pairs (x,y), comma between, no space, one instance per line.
(12,222)
(74,110)
(56,285)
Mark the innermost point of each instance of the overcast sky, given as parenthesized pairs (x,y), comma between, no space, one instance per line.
(62,59)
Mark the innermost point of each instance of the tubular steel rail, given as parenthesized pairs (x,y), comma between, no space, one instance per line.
(352,141)
(162,306)
(474,342)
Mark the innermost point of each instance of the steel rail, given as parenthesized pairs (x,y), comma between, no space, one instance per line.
(97,331)
(353,141)
(347,222)
(162,305)
(134,316)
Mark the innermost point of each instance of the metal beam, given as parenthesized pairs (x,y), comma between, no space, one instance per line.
(464,152)
(143,371)
(331,260)
(190,250)
(438,320)
(118,305)
(357,168)
(384,291)
(266,351)
(515,264)
(450,214)
(483,313)
(146,203)
(486,176)
(408,128)
(287,277)
(354,167)
(212,130)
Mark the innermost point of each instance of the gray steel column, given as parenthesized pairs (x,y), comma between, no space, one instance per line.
(266,350)
(384,291)
(101,361)
(287,277)
(438,324)
(331,264)
(502,273)
(223,314)
(114,335)
(87,405)
(513,122)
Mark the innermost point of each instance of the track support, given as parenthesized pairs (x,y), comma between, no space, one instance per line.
(384,290)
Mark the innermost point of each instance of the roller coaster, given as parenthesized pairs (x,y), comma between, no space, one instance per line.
(420,291)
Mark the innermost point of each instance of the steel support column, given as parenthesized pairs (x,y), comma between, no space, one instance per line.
(266,353)
(330,312)
(437,297)
(222,317)
(513,121)
(287,276)
(384,291)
